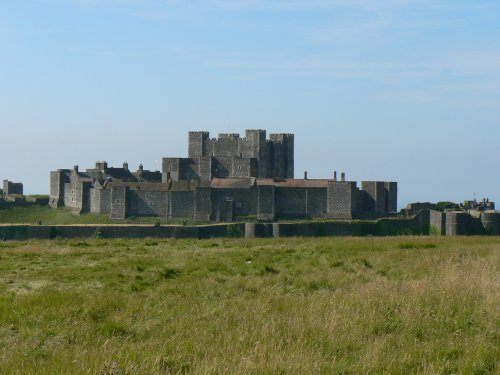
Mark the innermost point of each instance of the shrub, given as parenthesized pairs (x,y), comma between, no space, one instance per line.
(170,273)
(54,232)
(98,232)
(234,231)
(446,205)
(271,269)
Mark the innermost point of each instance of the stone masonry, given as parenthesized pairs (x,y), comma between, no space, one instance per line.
(12,188)
(222,179)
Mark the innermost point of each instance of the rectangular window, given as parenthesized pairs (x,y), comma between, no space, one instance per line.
(118,201)
(150,203)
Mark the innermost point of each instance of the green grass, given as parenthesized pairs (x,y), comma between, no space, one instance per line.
(49,216)
(227,306)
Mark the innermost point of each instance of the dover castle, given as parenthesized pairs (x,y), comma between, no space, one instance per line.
(222,179)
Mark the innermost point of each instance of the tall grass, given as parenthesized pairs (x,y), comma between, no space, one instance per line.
(326,305)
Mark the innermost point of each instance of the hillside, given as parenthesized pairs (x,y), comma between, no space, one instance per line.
(46,215)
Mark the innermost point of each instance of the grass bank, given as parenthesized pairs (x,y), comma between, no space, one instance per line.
(322,305)
(49,216)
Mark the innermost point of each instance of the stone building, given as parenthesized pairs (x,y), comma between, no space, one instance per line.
(12,188)
(474,205)
(230,156)
(222,179)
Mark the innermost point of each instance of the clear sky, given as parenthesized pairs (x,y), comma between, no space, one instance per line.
(404,90)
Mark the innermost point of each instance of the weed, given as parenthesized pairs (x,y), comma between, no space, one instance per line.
(271,269)
(170,273)
(234,231)
(289,305)
(98,232)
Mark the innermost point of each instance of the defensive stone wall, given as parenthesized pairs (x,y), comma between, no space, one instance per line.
(232,157)
(301,202)
(12,188)
(491,222)
(265,203)
(146,203)
(461,223)
(46,232)
(119,192)
(422,224)
(342,199)
(437,222)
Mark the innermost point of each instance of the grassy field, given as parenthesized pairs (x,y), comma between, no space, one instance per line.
(49,216)
(327,305)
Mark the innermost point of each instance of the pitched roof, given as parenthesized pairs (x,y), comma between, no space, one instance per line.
(159,186)
(291,182)
(232,183)
(119,174)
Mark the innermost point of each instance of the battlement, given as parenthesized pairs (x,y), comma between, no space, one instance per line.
(249,132)
(200,133)
(233,136)
(280,137)
(12,188)
(272,158)
(221,179)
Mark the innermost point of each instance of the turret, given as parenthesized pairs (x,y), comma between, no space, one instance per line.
(198,144)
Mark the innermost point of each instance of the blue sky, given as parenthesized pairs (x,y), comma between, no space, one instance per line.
(405,90)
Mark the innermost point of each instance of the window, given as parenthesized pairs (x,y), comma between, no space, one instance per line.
(228,154)
(118,201)
(150,203)
(72,191)
(147,194)
(170,167)
(239,167)
(72,199)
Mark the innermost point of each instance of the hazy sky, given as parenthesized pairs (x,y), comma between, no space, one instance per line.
(404,90)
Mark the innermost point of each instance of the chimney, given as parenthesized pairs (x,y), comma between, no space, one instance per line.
(342,176)
(335,176)
(141,168)
(101,165)
(75,168)
(305,175)
(125,165)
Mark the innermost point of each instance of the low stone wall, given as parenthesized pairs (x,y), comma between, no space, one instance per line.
(22,232)
(19,202)
(425,223)
(384,227)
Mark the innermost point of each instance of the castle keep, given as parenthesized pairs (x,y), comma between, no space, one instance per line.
(230,156)
(222,179)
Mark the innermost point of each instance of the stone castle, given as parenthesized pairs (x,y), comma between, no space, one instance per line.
(222,179)
(11,188)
